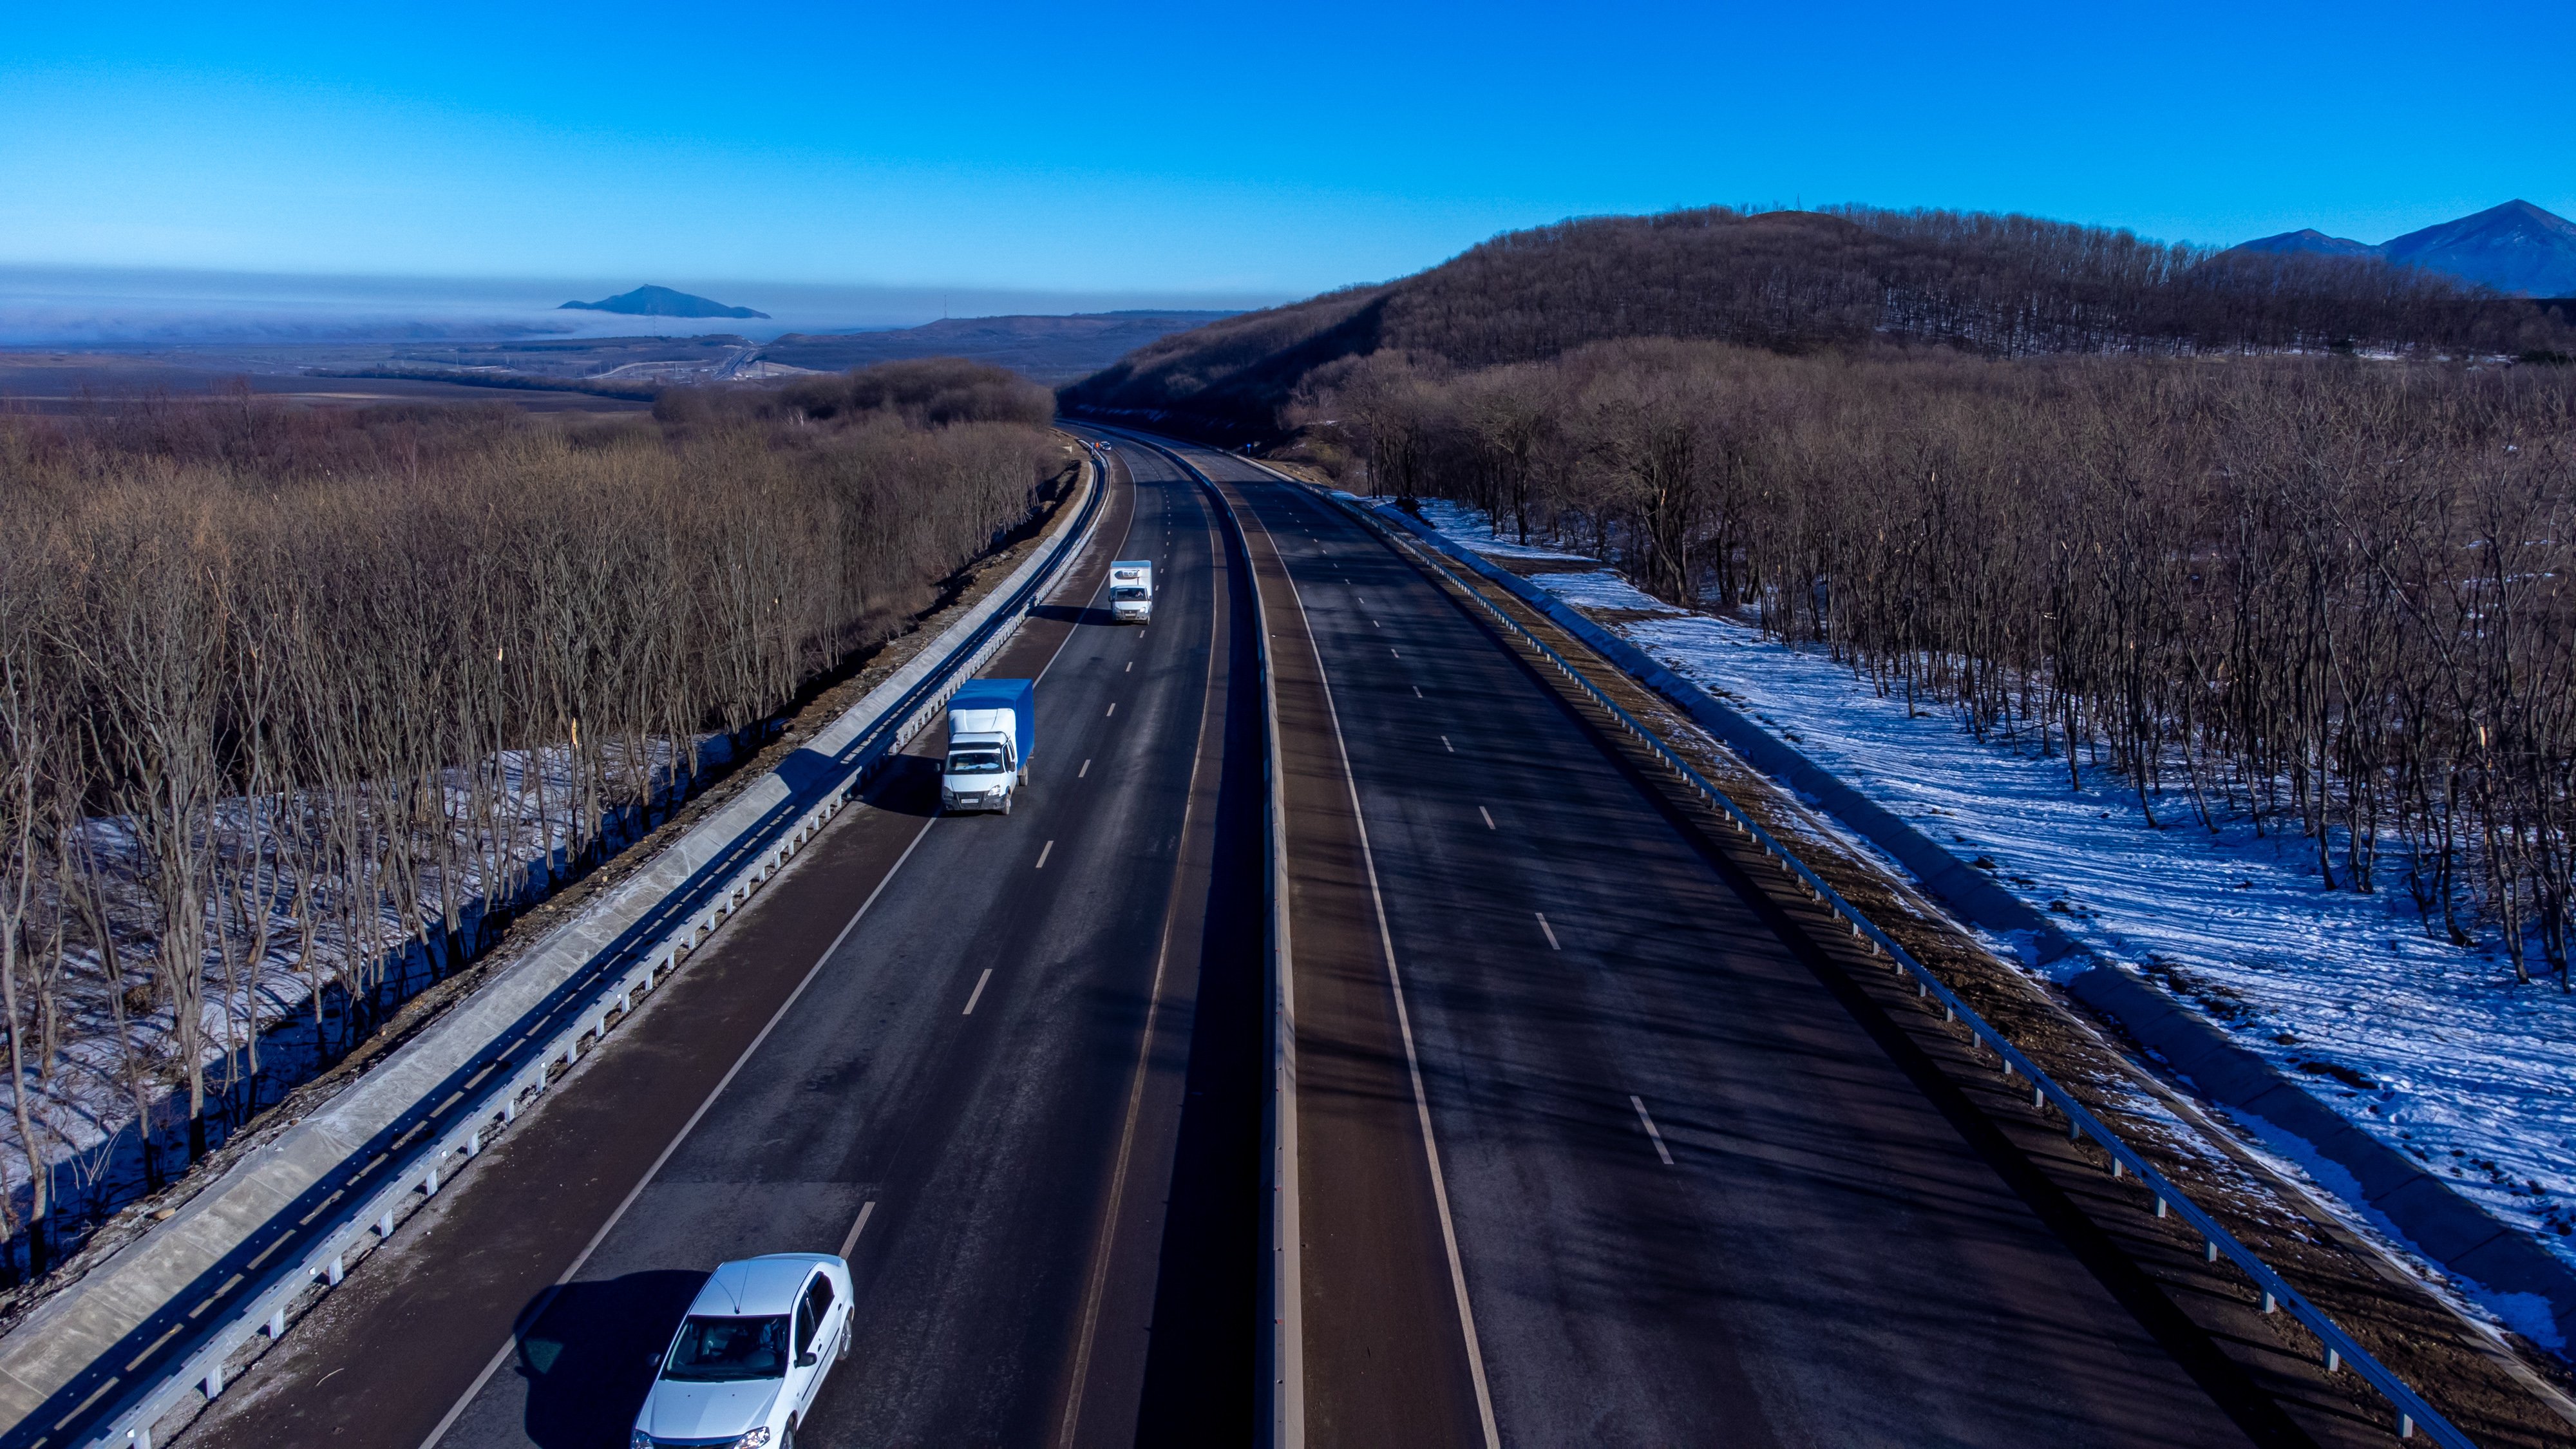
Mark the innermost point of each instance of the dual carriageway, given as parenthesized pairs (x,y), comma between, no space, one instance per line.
(1590,1146)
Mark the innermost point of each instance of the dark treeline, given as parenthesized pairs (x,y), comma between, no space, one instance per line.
(1804,281)
(2326,594)
(297,706)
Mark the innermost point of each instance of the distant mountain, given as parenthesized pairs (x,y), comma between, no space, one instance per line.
(661,302)
(2516,247)
(2309,240)
(1043,349)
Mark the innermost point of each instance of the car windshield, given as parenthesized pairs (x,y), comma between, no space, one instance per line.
(716,1349)
(975,762)
(1125,592)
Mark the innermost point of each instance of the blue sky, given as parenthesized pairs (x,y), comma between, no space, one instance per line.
(1211,150)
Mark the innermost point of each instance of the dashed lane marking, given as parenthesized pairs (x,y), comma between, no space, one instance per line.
(1043,853)
(1481,810)
(1544,928)
(978,993)
(1085,770)
(866,1210)
(1651,1131)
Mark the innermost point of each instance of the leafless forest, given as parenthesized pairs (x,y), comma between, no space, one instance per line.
(298,707)
(2328,594)
(1807,281)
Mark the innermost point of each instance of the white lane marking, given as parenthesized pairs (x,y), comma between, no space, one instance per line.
(1085,770)
(867,1210)
(1113,709)
(1444,744)
(1412,1058)
(1548,931)
(977,994)
(1481,810)
(510,1345)
(1391,650)
(1660,1150)
(1374,624)
(1130,669)
(1417,692)
(1045,851)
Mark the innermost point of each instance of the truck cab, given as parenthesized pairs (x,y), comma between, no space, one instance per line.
(1131,591)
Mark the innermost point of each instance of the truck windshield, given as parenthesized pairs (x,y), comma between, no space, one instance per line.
(975,762)
(714,1350)
(1126,592)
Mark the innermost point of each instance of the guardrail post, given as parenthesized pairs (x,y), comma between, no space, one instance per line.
(2209,1250)
(385,1225)
(214,1381)
(2334,1359)
(429,1184)
(277,1323)
(339,1268)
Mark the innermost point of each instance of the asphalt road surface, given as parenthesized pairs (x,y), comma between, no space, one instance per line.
(1680,1194)
(981,1055)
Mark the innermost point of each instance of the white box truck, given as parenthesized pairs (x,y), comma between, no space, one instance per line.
(992,731)
(1131,591)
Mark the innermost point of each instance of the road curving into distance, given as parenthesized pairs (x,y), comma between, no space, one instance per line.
(979,1054)
(1588,1149)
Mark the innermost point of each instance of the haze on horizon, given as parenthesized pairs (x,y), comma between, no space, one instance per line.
(1180,156)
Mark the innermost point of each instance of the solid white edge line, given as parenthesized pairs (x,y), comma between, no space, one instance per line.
(867,1210)
(1412,1060)
(546,1299)
(1651,1130)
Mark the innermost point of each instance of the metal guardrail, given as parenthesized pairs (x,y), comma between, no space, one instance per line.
(276,1308)
(2341,1349)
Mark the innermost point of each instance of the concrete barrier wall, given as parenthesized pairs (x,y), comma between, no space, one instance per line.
(2419,1207)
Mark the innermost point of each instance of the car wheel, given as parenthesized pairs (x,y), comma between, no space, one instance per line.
(844,1350)
(789,1441)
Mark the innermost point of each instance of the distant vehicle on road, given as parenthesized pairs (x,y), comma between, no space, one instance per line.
(750,1357)
(992,732)
(1131,591)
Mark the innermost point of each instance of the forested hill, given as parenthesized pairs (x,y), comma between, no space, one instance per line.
(1805,280)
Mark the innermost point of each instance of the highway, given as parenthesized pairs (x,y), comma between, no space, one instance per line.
(1589,1152)
(984,1056)
(1591,1149)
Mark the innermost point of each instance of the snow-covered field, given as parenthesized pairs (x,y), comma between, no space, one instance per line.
(2431,1048)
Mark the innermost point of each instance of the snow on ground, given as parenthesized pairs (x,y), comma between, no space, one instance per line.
(2432,1049)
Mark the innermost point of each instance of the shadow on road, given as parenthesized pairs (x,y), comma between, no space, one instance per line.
(1071,614)
(587,1351)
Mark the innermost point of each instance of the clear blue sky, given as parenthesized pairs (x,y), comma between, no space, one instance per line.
(1207,148)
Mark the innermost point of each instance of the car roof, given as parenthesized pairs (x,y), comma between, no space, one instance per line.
(756,1287)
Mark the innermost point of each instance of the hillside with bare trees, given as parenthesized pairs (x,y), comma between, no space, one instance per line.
(1799,282)
(299,707)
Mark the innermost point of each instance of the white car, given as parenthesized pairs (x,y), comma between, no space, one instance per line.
(751,1355)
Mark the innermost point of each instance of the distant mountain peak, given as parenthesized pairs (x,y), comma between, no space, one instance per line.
(2311,240)
(661,302)
(2515,247)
